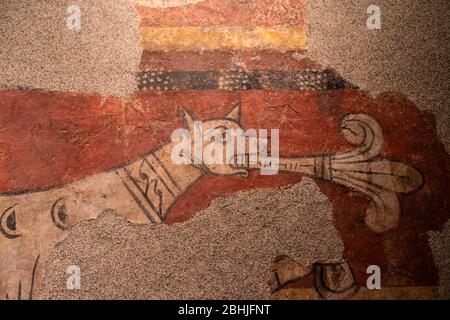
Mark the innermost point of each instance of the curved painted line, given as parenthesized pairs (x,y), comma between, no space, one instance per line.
(55,218)
(4,227)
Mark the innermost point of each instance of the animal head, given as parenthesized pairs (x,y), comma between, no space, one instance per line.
(218,142)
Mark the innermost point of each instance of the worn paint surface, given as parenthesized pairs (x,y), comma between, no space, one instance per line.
(65,157)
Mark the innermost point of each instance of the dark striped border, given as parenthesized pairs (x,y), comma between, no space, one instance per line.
(240,79)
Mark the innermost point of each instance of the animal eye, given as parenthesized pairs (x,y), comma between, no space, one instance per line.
(59,214)
(223,137)
(8,225)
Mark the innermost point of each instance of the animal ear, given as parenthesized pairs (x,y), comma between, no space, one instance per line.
(235,114)
(188,119)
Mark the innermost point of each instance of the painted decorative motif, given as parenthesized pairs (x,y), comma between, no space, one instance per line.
(148,187)
(66,157)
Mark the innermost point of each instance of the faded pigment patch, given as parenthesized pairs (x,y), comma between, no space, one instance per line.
(39,51)
(225,252)
(278,25)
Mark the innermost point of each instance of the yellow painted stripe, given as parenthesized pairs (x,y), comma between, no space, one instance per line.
(232,38)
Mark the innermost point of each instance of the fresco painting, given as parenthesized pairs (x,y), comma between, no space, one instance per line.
(65,157)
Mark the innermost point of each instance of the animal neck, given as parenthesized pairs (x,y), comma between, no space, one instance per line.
(155,182)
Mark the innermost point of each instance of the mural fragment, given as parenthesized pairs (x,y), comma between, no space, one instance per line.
(67,157)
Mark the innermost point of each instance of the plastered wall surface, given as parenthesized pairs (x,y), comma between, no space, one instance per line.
(40,52)
(227,258)
(86,176)
(408,55)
